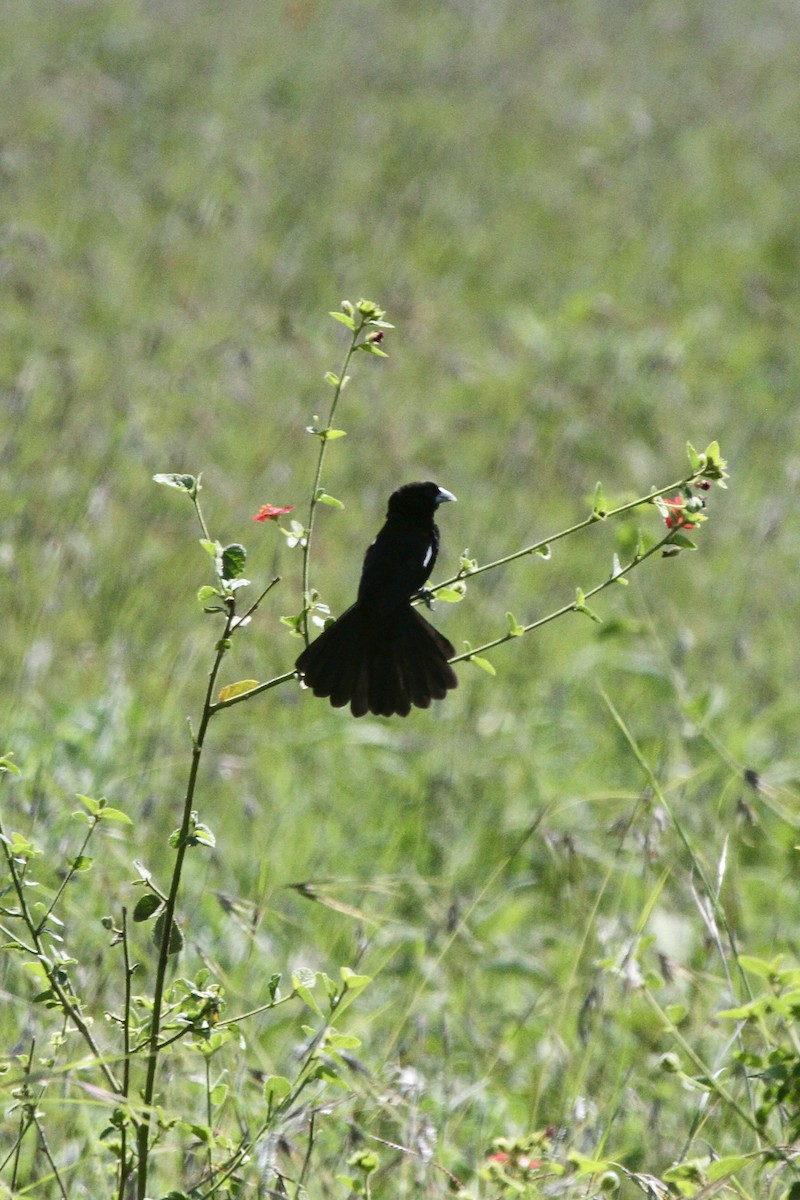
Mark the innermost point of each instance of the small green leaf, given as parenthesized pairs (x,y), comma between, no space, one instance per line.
(276,1088)
(354,983)
(483,663)
(543,551)
(332,379)
(146,907)
(184,483)
(206,592)
(115,814)
(344,319)
(695,461)
(82,863)
(581,606)
(212,549)
(514,627)
(202,836)
(322,497)
(599,505)
(371,348)
(728,1165)
(330,435)
(452,595)
(219,1094)
(233,561)
(93,806)
(175,935)
(7,765)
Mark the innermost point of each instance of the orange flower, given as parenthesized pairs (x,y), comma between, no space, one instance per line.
(271,512)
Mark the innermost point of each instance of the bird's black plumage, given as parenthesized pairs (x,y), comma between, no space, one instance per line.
(382,656)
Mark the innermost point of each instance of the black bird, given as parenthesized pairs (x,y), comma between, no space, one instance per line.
(382,656)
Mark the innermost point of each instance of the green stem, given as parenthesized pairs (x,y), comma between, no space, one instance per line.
(143,1131)
(323,445)
(566,608)
(592,519)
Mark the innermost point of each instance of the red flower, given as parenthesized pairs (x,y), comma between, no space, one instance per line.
(676,513)
(521,1162)
(271,512)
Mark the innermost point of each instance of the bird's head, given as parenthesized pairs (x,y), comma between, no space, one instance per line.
(418,500)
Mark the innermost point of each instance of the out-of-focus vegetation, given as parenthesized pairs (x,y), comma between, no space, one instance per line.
(582,218)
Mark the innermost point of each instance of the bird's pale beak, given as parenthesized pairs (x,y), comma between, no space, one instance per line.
(444,495)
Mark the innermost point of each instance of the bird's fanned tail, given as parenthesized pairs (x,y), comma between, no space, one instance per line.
(380,666)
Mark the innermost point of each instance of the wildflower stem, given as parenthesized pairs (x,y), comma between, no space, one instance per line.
(323,445)
(541,545)
(574,606)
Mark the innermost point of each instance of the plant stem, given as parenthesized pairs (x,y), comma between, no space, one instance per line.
(592,519)
(574,606)
(143,1131)
(323,445)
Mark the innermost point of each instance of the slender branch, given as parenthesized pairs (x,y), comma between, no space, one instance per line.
(256,691)
(241,620)
(593,519)
(323,446)
(68,877)
(143,1132)
(124,1167)
(574,606)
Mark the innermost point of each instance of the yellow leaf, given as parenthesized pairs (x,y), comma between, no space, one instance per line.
(236,689)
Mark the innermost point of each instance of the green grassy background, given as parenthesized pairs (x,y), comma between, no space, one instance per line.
(582,217)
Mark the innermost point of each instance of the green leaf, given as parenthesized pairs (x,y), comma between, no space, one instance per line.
(483,663)
(332,379)
(101,811)
(175,935)
(184,483)
(695,461)
(21,847)
(599,505)
(276,1088)
(219,1094)
(7,765)
(323,498)
(206,592)
(202,836)
(212,549)
(581,606)
(115,814)
(354,983)
(371,348)
(146,907)
(82,863)
(727,1166)
(344,319)
(232,561)
(93,806)
(330,435)
(543,551)
(514,627)
(451,595)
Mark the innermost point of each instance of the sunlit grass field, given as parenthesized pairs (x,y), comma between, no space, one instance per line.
(582,218)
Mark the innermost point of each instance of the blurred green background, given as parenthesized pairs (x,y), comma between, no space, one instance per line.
(582,216)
